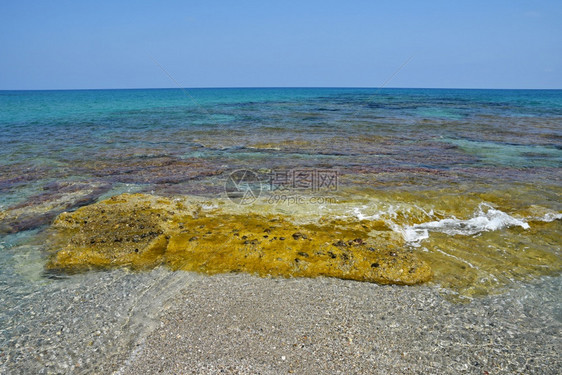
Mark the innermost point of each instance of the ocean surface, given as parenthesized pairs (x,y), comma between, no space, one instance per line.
(469,179)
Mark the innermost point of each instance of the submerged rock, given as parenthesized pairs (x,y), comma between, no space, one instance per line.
(40,209)
(152,170)
(143,231)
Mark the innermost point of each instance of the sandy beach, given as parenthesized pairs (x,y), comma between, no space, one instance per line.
(239,324)
(164,322)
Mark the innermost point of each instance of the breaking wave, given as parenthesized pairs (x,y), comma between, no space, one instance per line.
(485,219)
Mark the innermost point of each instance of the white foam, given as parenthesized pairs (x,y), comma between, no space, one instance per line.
(549,217)
(361,216)
(485,219)
(414,235)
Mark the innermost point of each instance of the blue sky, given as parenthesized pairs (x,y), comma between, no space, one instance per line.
(210,43)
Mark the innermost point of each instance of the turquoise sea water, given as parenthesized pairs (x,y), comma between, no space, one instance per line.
(492,154)
(47,135)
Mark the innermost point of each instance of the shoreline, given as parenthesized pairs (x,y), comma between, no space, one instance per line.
(143,231)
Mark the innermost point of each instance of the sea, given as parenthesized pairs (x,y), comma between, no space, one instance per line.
(468,179)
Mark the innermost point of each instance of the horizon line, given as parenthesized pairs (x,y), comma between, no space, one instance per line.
(281,87)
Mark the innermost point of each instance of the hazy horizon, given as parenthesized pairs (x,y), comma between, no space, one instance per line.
(289,87)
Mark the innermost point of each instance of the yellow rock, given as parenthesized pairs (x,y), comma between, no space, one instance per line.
(142,231)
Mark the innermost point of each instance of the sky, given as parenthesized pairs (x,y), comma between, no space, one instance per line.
(212,43)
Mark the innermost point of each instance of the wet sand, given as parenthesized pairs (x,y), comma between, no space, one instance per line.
(187,323)
(240,324)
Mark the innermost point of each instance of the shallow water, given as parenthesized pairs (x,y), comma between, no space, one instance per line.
(468,179)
